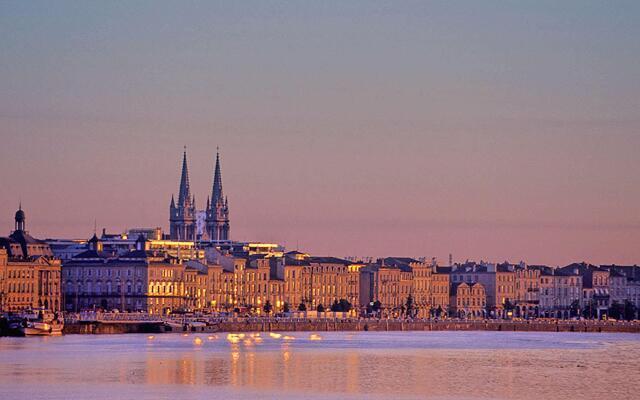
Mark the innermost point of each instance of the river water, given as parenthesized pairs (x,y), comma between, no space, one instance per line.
(325,365)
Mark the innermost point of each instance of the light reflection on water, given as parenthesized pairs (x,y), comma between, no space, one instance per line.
(448,365)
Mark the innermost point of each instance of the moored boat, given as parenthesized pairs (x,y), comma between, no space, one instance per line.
(43,328)
(42,323)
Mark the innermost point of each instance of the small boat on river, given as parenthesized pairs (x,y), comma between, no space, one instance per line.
(42,323)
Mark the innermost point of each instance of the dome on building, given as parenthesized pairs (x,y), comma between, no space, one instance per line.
(20,217)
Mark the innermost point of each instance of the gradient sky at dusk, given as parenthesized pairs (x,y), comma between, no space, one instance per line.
(490,130)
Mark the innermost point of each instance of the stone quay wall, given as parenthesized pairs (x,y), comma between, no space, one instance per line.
(359,325)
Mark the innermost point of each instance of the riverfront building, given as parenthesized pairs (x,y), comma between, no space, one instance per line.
(498,282)
(595,287)
(123,243)
(244,277)
(391,281)
(527,290)
(468,300)
(388,285)
(142,279)
(421,282)
(440,290)
(560,292)
(29,273)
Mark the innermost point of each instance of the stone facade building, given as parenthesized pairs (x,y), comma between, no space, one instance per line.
(29,273)
(560,292)
(527,290)
(421,283)
(140,280)
(498,282)
(326,280)
(628,289)
(440,289)
(380,282)
(596,297)
(468,300)
(618,288)
(291,269)
(246,282)
(392,284)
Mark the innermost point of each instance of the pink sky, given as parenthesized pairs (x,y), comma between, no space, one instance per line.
(498,133)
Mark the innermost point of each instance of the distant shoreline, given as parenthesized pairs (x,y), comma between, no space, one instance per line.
(357,326)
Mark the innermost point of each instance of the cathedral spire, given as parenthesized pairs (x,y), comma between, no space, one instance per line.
(184,196)
(216,193)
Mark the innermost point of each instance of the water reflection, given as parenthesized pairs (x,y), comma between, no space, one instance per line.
(334,365)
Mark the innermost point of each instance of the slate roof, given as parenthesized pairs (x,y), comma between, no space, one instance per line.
(329,260)
(23,239)
(443,270)
(294,262)
(88,256)
(401,262)
(294,253)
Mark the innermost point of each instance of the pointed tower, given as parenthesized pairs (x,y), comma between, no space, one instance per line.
(184,195)
(218,210)
(182,217)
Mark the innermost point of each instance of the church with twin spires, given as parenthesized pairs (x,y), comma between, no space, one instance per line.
(183,215)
